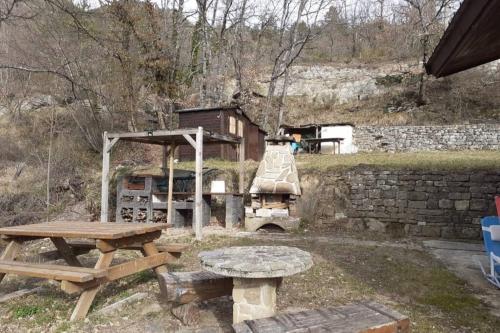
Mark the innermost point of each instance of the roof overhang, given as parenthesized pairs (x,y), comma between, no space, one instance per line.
(165,137)
(471,39)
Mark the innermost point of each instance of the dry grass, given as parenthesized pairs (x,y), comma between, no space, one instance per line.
(408,280)
(450,160)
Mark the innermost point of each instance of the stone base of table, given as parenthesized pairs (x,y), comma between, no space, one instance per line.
(254,298)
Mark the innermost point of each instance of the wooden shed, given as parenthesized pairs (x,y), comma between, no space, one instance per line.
(228,120)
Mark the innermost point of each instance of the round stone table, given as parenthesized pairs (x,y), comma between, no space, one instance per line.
(256,271)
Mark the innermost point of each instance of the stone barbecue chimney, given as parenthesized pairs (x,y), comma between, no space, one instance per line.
(276,186)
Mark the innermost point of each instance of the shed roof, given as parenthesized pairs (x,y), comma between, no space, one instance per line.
(471,39)
(315,125)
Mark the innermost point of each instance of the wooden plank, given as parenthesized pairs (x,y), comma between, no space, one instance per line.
(113,244)
(171,248)
(355,318)
(198,213)
(106,153)
(89,230)
(170,210)
(149,249)
(66,251)
(190,140)
(55,254)
(242,166)
(51,272)
(87,297)
(73,288)
(10,253)
(138,265)
(18,293)
(186,287)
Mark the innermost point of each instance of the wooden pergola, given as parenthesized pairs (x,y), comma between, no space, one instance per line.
(170,140)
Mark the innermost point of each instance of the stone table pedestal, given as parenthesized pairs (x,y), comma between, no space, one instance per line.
(257,272)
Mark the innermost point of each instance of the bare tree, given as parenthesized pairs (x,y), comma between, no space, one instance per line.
(13,10)
(426,15)
(290,44)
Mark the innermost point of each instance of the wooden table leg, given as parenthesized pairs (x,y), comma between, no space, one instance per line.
(10,253)
(66,251)
(150,249)
(87,297)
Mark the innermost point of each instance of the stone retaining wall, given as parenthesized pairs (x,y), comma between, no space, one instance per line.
(426,138)
(420,203)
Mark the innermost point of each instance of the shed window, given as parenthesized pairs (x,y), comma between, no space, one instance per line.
(232,125)
(240,128)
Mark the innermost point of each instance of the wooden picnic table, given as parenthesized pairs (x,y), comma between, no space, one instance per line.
(75,278)
(314,144)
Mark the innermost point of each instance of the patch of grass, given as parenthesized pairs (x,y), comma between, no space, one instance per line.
(64,327)
(433,296)
(24,311)
(142,277)
(451,160)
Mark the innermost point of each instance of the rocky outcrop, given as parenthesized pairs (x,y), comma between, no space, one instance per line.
(324,85)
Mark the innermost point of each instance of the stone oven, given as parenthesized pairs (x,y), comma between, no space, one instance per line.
(275,188)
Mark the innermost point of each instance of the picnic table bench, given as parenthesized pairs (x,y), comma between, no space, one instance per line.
(107,237)
(313,145)
(366,317)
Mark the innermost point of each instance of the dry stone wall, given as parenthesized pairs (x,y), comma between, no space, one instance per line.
(401,202)
(426,138)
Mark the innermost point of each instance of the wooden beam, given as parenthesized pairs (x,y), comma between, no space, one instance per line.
(112,143)
(198,216)
(186,287)
(149,250)
(66,251)
(51,272)
(113,244)
(138,265)
(87,297)
(242,166)
(10,253)
(191,141)
(158,133)
(105,178)
(170,211)
(217,137)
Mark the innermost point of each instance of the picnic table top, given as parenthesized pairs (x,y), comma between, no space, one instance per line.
(324,140)
(76,229)
(256,261)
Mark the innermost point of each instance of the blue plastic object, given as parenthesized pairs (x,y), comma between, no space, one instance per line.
(492,249)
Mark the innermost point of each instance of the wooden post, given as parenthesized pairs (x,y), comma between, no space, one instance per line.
(164,160)
(242,165)
(170,184)
(198,213)
(87,297)
(105,178)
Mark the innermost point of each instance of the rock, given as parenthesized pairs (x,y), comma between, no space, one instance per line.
(37,102)
(445,204)
(375,225)
(188,314)
(278,212)
(462,204)
(120,304)
(263,212)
